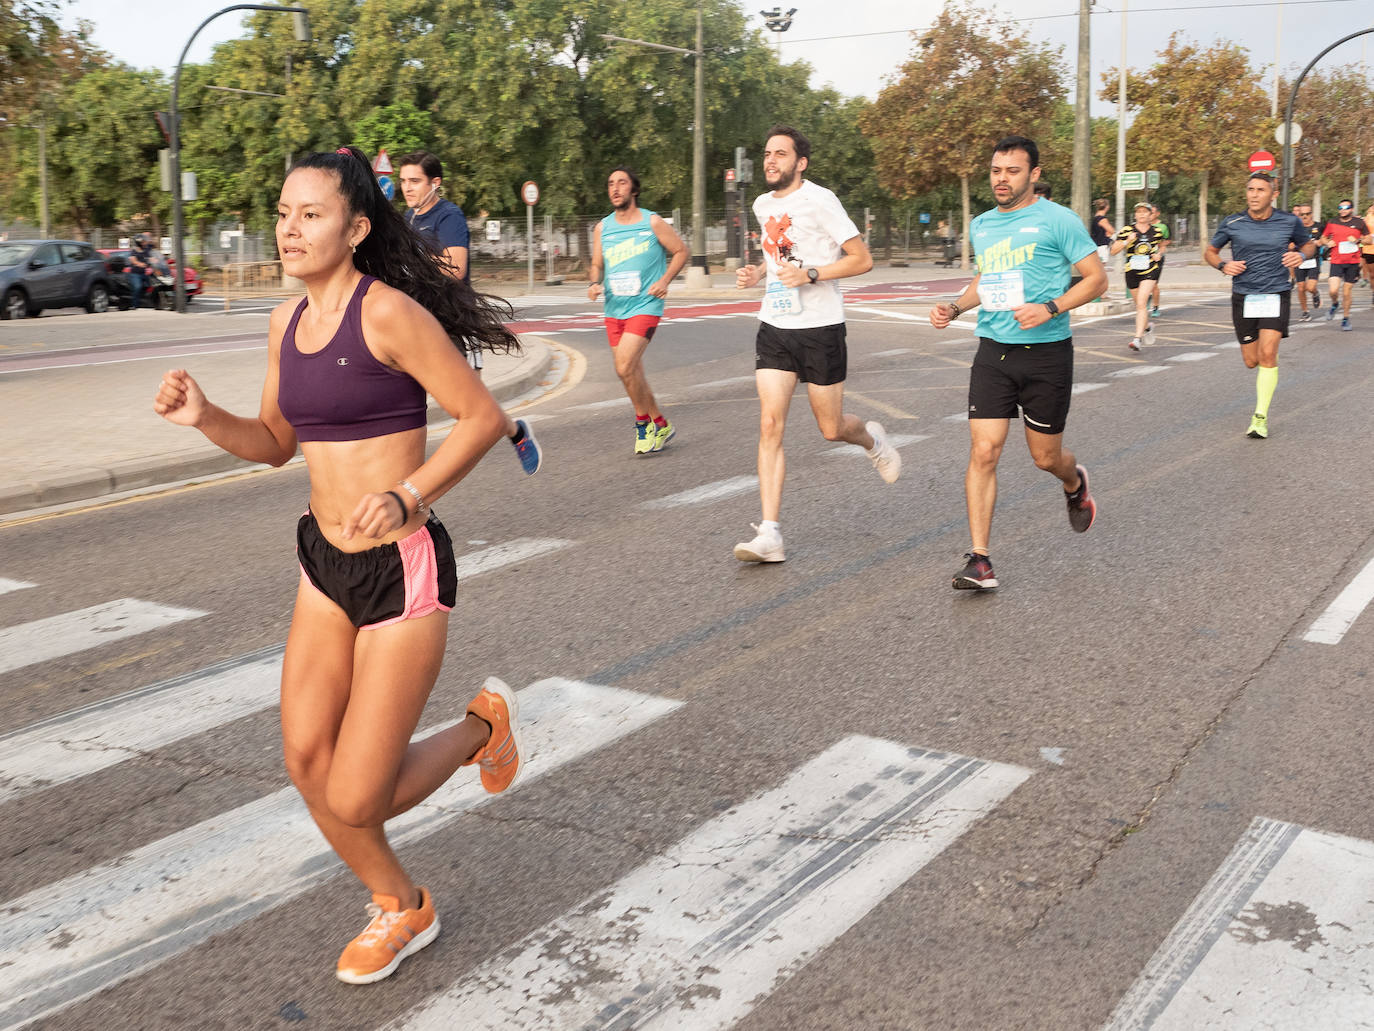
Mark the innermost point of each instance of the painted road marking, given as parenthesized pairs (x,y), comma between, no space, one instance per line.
(892,353)
(106,733)
(6,586)
(72,632)
(505,554)
(124,916)
(890,314)
(707,492)
(1140,370)
(694,938)
(1083,388)
(1191,356)
(1331,625)
(1279,937)
(896,440)
(614,402)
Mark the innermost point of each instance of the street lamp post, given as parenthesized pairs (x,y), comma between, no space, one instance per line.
(1286,165)
(778,21)
(302,28)
(697,276)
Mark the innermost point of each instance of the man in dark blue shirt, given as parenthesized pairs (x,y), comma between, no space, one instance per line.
(1260,286)
(443,222)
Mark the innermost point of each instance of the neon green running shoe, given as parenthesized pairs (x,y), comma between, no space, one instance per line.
(645,435)
(1259,427)
(662,436)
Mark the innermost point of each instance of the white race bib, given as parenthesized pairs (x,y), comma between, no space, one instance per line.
(1001,291)
(1140,262)
(1261,306)
(1309,263)
(1347,247)
(623,284)
(781,300)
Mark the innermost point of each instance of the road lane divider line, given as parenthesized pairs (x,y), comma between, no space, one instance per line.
(124,916)
(707,492)
(697,936)
(1083,388)
(1191,356)
(97,736)
(1331,625)
(881,406)
(6,586)
(1279,937)
(1139,370)
(70,632)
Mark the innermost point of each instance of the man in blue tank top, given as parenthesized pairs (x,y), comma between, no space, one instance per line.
(635,257)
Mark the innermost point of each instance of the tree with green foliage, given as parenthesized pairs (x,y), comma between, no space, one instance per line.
(970,80)
(1335,107)
(1185,124)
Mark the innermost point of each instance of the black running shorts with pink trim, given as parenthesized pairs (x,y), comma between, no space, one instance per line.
(1037,378)
(405,579)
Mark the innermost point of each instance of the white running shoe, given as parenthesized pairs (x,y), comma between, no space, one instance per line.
(884,456)
(1149,334)
(765,547)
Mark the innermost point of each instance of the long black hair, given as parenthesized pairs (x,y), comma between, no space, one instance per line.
(403,258)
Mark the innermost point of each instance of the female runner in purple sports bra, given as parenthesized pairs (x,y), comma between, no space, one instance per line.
(348,370)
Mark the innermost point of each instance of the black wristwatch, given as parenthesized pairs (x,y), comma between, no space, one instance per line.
(813,274)
(1054,308)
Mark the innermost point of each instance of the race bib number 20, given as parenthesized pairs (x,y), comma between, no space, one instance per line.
(1001,291)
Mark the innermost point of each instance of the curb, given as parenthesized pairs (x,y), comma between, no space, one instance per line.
(88,484)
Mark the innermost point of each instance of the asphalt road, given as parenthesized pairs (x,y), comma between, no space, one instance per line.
(1149,728)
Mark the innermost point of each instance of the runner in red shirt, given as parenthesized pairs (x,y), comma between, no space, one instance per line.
(1343,235)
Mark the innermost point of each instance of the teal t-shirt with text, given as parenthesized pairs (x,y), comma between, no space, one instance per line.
(1026,256)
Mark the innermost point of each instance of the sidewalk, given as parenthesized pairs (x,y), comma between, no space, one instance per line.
(89,431)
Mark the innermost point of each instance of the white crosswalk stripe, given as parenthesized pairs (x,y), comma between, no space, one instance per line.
(84,741)
(1279,937)
(126,915)
(71,632)
(693,938)
(6,586)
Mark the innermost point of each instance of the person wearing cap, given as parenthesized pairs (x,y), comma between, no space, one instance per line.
(1144,248)
(140,266)
(1260,289)
(1344,234)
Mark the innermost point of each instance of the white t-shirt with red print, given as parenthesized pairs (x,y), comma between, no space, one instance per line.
(806,229)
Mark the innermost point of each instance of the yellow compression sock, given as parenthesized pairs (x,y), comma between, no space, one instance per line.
(1266,380)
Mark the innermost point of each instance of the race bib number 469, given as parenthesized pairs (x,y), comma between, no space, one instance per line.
(1001,291)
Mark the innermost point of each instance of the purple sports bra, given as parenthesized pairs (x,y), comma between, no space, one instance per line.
(342,392)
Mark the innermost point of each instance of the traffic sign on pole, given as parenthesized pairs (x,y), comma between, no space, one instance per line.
(388,186)
(1130,181)
(1262,161)
(381,164)
(529,193)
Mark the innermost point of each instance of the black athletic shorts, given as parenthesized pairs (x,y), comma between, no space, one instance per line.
(405,579)
(1368,258)
(817,355)
(1134,279)
(1247,330)
(1037,377)
(1350,273)
(1305,275)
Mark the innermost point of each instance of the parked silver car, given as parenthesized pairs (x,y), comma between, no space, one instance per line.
(38,274)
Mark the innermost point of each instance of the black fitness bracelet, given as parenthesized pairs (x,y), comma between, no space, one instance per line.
(405,512)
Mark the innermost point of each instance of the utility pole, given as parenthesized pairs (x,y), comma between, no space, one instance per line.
(1121,125)
(43,175)
(1081,196)
(697,275)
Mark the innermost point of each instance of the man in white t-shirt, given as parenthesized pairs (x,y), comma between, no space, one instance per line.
(808,243)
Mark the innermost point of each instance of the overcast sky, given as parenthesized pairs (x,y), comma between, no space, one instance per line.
(856,45)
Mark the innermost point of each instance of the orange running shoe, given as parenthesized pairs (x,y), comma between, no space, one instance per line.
(501,758)
(392,935)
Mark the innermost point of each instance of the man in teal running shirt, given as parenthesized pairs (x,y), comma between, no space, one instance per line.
(1027,250)
(636,255)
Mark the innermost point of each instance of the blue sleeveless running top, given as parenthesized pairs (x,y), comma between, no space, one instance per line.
(634,261)
(342,392)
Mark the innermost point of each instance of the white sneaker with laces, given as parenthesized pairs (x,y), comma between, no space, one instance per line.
(765,547)
(885,458)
